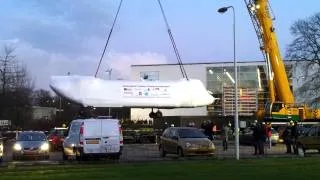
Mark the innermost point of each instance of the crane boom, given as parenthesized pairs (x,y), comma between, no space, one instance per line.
(272,51)
(282,106)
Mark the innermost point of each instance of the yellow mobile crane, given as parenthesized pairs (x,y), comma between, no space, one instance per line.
(282,106)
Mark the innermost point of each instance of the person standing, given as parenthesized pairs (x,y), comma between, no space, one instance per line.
(259,138)
(225,136)
(262,138)
(287,137)
(255,135)
(268,132)
(295,135)
(214,130)
(208,130)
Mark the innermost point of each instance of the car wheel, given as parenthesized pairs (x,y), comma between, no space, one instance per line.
(64,156)
(116,157)
(14,157)
(180,152)
(162,152)
(81,157)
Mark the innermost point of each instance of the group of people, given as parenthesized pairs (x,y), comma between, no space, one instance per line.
(261,133)
(209,129)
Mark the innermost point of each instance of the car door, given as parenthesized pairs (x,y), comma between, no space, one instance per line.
(173,141)
(72,138)
(110,136)
(164,140)
(311,140)
(317,141)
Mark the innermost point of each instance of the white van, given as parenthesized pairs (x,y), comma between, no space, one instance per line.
(98,137)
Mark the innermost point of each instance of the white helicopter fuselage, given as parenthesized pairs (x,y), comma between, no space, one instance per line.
(91,91)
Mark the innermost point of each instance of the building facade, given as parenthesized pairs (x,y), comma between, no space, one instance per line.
(43,113)
(219,79)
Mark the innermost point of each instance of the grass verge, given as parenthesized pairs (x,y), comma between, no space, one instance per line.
(265,168)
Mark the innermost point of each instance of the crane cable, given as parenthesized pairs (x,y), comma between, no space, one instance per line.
(183,71)
(108,39)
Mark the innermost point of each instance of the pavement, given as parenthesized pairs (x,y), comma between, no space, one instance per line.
(149,153)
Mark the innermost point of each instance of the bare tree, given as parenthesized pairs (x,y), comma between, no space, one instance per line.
(305,50)
(43,98)
(6,68)
(16,89)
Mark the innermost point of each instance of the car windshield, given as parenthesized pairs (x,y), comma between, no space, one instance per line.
(31,137)
(191,133)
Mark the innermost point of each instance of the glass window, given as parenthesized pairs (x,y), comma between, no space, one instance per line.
(313,131)
(191,133)
(149,75)
(31,137)
(166,133)
(75,128)
(173,133)
(276,107)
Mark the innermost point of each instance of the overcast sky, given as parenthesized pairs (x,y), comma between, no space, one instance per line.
(54,37)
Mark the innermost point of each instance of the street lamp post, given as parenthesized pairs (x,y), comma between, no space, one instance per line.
(109,70)
(236,120)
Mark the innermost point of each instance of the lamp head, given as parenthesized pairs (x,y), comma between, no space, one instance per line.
(223,9)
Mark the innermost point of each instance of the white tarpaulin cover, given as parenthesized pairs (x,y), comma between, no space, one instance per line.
(91,91)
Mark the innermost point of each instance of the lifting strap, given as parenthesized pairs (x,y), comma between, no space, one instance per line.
(183,71)
(107,42)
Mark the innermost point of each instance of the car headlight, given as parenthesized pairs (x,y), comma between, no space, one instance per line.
(188,145)
(17,147)
(44,147)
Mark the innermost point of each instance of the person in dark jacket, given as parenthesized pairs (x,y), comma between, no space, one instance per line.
(255,137)
(259,138)
(262,138)
(287,137)
(294,137)
(208,130)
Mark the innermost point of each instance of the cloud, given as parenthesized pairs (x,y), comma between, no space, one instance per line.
(42,64)
(57,37)
(59,26)
(121,62)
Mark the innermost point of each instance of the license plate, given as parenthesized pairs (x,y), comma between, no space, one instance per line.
(92,142)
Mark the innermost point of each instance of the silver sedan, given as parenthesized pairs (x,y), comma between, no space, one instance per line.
(31,144)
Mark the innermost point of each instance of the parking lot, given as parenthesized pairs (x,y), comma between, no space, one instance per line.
(149,152)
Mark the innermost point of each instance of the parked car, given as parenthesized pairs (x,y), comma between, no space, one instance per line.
(93,138)
(185,141)
(56,137)
(1,150)
(309,140)
(31,144)
(246,137)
